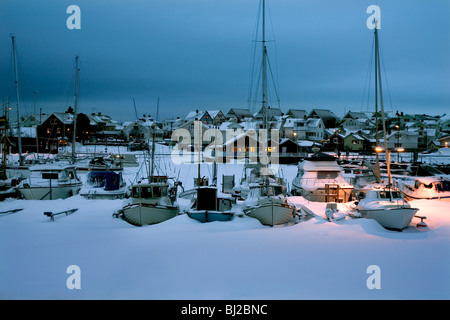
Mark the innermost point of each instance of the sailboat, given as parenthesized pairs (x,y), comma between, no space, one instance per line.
(383,203)
(54,181)
(151,202)
(266,200)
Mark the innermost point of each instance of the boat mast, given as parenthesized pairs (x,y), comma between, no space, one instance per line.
(3,175)
(19,136)
(74,133)
(264,64)
(378,71)
(152,164)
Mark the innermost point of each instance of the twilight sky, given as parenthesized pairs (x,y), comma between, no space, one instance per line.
(197,54)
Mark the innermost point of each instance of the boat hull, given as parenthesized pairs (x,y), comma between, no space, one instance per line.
(100,194)
(393,218)
(44,193)
(210,215)
(140,214)
(270,212)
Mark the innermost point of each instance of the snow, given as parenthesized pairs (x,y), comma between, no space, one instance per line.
(240,259)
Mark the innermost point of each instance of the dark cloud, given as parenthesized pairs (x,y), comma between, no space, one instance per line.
(197,53)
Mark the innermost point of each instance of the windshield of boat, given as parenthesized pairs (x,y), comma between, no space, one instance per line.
(327,174)
(271,190)
(393,194)
(149,192)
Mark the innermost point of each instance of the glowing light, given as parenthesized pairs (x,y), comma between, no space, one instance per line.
(378,149)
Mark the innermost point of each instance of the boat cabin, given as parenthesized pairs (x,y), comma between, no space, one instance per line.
(153,190)
(263,190)
(381,194)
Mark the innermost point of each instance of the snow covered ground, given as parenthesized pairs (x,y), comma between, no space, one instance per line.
(241,259)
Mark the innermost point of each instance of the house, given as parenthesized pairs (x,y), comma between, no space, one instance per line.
(335,142)
(34,120)
(355,116)
(142,130)
(329,119)
(409,140)
(272,114)
(214,117)
(444,142)
(239,114)
(297,113)
(56,130)
(356,142)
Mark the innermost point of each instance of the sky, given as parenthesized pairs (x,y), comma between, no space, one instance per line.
(198,55)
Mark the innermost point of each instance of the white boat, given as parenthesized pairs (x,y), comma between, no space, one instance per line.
(50,182)
(104,185)
(320,178)
(151,202)
(268,203)
(386,206)
(431,188)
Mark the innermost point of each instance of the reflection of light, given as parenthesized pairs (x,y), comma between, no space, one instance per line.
(378,149)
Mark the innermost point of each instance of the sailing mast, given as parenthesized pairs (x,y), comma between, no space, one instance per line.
(74,133)
(386,150)
(19,137)
(264,64)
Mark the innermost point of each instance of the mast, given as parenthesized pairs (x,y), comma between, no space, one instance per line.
(383,120)
(152,164)
(74,133)
(19,137)
(264,64)
(4,144)
(386,150)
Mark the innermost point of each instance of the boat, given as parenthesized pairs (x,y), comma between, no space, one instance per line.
(50,182)
(267,202)
(208,207)
(387,206)
(435,187)
(266,195)
(383,202)
(104,185)
(151,202)
(320,178)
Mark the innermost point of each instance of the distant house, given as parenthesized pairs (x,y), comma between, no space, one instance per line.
(239,114)
(355,116)
(329,118)
(444,142)
(356,142)
(334,142)
(297,113)
(409,140)
(272,114)
(34,120)
(214,117)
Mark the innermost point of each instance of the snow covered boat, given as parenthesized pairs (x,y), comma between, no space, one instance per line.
(319,178)
(104,185)
(268,204)
(50,182)
(432,188)
(386,206)
(151,202)
(209,207)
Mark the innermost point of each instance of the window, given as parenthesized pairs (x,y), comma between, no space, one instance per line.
(135,192)
(146,192)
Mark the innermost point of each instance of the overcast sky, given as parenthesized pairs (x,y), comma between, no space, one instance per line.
(197,54)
